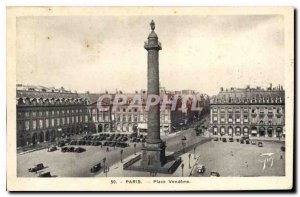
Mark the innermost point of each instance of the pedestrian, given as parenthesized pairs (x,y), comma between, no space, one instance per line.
(280,156)
(246,164)
(107,149)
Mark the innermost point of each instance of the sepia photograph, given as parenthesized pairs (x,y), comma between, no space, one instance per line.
(150,98)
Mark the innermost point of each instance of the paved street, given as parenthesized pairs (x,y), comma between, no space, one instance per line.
(79,164)
(235,159)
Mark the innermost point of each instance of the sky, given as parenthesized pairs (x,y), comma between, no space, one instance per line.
(100,53)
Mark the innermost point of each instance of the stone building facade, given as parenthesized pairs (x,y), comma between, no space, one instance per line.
(248,112)
(47,116)
(125,119)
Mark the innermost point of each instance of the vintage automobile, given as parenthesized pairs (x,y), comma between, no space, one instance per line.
(230,139)
(79,150)
(36,168)
(52,148)
(64,149)
(224,140)
(123,144)
(237,140)
(245,138)
(259,144)
(45,174)
(242,141)
(214,174)
(282,148)
(96,168)
(71,149)
(253,142)
(200,169)
(216,139)
(247,141)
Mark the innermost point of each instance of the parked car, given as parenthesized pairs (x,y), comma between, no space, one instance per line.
(96,168)
(247,141)
(253,142)
(216,139)
(45,174)
(230,139)
(52,148)
(224,140)
(245,138)
(260,144)
(200,169)
(71,149)
(123,145)
(214,174)
(237,140)
(64,149)
(79,150)
(282,148)
(242,141)
(36,168)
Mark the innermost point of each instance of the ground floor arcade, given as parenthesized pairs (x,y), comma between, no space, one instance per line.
(256,130)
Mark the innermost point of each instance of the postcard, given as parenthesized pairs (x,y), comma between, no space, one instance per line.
(150,98)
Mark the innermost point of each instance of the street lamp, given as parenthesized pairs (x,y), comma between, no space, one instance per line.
(121,152)
(183,144)
(189,160)
(106,170)
(182,166)
(104,160)
(134,148)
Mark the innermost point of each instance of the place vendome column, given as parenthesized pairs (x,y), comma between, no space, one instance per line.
(154,149)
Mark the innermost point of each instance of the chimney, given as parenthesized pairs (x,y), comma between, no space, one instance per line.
(222,89)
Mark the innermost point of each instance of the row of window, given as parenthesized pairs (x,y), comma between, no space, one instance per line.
(247,100)
(253,110)
(52,122)
(50,112)
(238,119)
(230,119)
(94,111)
(127,118)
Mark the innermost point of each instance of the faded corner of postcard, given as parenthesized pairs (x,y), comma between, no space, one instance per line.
(150,99)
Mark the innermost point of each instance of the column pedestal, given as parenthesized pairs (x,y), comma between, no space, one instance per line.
(154,155)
